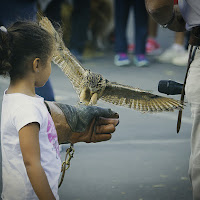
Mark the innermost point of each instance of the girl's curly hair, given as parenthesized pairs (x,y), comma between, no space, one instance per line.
(23,41)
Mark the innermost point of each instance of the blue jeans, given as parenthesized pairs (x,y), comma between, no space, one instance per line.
(122,8)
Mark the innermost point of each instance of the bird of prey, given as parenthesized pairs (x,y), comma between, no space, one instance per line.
(91,86)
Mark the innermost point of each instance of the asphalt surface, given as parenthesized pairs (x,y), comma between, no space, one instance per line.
(145,159)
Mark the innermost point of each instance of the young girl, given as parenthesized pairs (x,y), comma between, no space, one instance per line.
(30,152)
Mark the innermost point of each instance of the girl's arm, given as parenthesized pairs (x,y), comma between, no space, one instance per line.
(29,143)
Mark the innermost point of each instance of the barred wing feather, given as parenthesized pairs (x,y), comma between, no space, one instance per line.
(74,73)
(137,99)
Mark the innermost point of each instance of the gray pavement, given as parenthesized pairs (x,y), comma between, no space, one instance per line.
(145,159)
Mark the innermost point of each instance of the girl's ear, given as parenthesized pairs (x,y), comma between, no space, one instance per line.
(36,64)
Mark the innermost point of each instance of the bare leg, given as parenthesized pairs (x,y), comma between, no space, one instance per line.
(152,46)
(179,38)
(153,28)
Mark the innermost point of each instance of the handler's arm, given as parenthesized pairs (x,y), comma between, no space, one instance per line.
(162,12)
(29,143)
(98,128)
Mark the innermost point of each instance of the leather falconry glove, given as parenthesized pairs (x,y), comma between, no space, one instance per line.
(72,122)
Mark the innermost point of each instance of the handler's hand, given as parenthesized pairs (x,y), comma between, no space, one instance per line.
(89,124)
(99,130)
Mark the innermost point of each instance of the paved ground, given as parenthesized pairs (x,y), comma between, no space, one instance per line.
(146,159)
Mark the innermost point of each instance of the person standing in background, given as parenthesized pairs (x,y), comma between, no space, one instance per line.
(79,26)
(122,8)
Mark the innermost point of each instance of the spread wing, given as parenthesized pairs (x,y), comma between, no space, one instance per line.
(63,57)
(137,99)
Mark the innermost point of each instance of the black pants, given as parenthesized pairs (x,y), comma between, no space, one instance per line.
(79,24)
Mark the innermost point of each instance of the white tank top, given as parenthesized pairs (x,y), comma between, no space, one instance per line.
(190,10)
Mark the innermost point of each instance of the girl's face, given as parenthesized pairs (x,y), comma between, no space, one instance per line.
(44,73)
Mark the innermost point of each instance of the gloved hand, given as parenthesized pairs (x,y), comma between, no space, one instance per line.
(83,123)
(80,117)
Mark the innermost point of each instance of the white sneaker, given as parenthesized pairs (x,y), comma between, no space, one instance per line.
(169,54)
(181,60)
(121,59)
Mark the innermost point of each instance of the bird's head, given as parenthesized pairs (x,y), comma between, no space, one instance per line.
(95,82)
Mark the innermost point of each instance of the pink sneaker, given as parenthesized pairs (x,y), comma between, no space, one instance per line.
(152,47)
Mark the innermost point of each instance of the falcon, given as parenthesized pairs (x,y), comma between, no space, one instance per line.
(91,87)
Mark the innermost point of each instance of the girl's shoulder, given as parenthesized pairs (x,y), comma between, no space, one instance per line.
(19,99)
(18,102)
(22,109)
